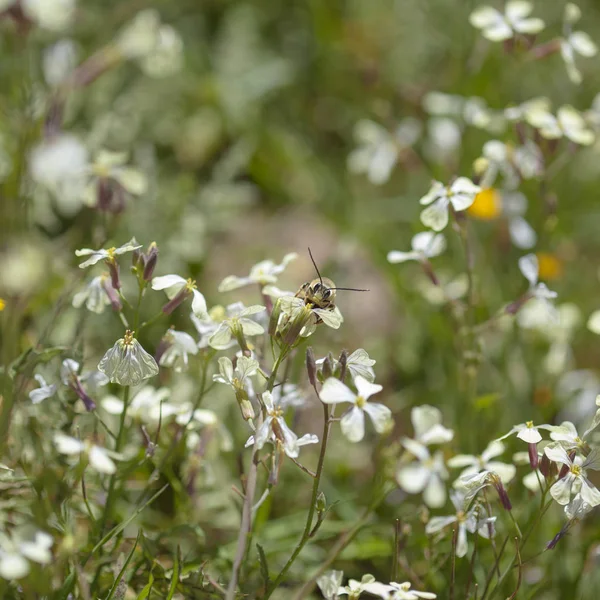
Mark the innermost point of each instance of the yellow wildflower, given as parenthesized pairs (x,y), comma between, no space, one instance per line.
(487,205)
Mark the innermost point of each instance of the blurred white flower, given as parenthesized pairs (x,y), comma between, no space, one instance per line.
(166,57)
(140,36)
(178,289)
(329,583)
(292,450)
(378,149)
(262,273)
(567,437)
(514,207)
(560,335)
(593,323)
(575,42)
(427,425)
(528,432)
(97,294)
(425,245)
(397,591)
(99,458)
(237,378)
(521,112)
(44,392)
(176,345)
(465,520)
(127,363)
(575,481)
(58,164)
(106,255)
(15,554)
(498,27)
(54,15)
(446,290)
(59,60)
(353,420)
(460,194)
(236,324)
(355,588)
(145,406)
(484,462)
(568,123)
(538,311)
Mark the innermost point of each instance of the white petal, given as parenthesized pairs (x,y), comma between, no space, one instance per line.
(396,256)
(582,44)
(250,327)
(166,281)
(529,435)
(589,493)
(66,444)
(199,305)
(380,415)
(382,162)
(133,180)
(436,524)
(413,478)
(529,266)
(462,546)
(429,243)
(522,233)
(417,449)
(494,448)
(593,323)
(561,490)
(505,471)
(365,388)
(112,405)
(334,392)
(462,460)
(424,418)
(331,318)
(13,566)
(438,434)
(435,216)
(530,26)
(484,16)
(437,190)
(518,9)
(308,438)
(100,461)
(574,126)
(353,424)
(232,282)
(557,453)
(498,31)
(435,493)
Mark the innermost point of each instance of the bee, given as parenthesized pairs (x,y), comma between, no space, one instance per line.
(321,292)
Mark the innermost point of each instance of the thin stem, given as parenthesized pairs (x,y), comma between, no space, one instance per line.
(453,572)
(308,531)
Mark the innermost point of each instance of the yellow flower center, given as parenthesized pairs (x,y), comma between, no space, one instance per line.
(360,402)
(529,424)
(100,170)
(128,338)
(576,470)
(190,284)
(550,267)
(487,205)
(276,413)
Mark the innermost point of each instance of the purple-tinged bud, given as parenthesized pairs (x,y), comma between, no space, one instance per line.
(150,260)
(311,367)
(533,455)
(274,319)
(545,466)
(563,471)
(502,494)
(90,405)
(428,269)
(175,301)
(327,367)
(552,543)
(514,307)
(115,301)
(104,193)
(136,258)
(113,269)
(343,361)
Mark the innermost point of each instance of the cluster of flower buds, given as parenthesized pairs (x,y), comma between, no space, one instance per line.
(144,263)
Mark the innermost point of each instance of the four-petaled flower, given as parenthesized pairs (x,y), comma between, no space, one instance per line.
(43,392)
(99,458)
(237,378)
(528,432)
(16,553)
(397,591)
(568,123)
(353,421)
(178,289)
(498,27)
(460,194)
(425,245)
(127,363)
(97,294)
(108,255)
(274,424)
(237,325)
(575,481)
(475,464)
(575,42)
(262,273)
(176,345)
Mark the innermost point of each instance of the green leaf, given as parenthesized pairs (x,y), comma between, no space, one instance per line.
(147,589)
(264,567)
(174,576)
(118,578)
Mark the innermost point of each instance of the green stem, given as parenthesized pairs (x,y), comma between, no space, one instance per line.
(308,531)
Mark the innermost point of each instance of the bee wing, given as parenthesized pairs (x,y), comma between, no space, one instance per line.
(331,317)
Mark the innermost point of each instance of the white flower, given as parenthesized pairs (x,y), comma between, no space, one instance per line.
(575,42)
(292,450)
(427,423)
(466,521)
(96,294)
(140,36)
(427,474)
(54,15)
(147,405)
(127,363)
(58,164)
(237,378)
(560,335)
(522,111)
(107,255)
(59,60)
(567,437)
(528,432)
(329,583)
(178,289)
(353,420)
(296,310)
(538,311)
(568,122)
(274,424)
(289,395)
(109,178)
(460,194)
(236,324)
(99,458)
(475,464)
(43,392)
(378,149)
(355,588)
(425,245)
(577,508)
(15,554)
(447,289)
(498,27)
(593,323)
(167,56)
(575,481)
(397,591)
(262,273)
(514,206)
(208,324)
(179,345)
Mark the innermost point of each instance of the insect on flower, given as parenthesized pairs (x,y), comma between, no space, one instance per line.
(320,292)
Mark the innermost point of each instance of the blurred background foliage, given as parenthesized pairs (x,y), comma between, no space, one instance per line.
(245,149)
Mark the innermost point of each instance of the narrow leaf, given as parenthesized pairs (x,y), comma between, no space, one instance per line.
(264,567)
(174,577)
(118,578)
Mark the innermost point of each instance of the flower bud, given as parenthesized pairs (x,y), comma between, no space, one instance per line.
(545,466)
(343,362)
(176,300)
(321,503)
(113,269)
(533,455)
(90,405)
(502,494)
(115,301)
(327,369)
(274,318)
(311,367)
(150,259)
